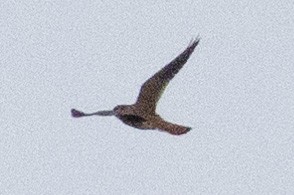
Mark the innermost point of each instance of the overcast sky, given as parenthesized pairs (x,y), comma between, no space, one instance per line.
(236,92)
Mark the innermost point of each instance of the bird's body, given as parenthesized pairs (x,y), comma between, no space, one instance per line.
(142,114)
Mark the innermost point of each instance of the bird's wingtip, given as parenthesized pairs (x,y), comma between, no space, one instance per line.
(193,43)
(195,40)
(188,129)
(75,113)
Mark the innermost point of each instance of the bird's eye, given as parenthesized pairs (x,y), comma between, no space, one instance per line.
(117,108)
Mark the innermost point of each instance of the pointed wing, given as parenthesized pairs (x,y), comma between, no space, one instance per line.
(172,128)
(152,89)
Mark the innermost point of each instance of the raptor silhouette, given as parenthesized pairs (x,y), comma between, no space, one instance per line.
(142,114)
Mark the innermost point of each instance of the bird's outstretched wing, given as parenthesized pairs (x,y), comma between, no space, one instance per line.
(152,89)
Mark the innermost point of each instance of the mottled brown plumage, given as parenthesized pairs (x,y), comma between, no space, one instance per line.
(142,114)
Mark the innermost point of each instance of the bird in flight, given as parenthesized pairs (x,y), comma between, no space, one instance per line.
(142,114)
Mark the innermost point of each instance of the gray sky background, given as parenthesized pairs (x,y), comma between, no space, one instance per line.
(236,91)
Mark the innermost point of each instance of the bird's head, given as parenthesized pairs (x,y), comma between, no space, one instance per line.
(123,110)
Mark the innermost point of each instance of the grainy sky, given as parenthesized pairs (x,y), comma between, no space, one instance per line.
(236,91)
